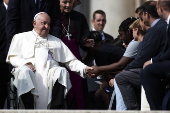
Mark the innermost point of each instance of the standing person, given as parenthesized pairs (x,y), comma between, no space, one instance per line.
(99,22)
(35,56)
(158,67)
(3,64)
(74,29)
(128,81)
(20,14)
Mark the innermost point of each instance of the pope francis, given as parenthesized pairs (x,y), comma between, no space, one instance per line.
(41,83)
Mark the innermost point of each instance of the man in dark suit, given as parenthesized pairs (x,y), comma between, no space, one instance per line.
(3,64)
(99,21)
(128,81)
(20,14)
(159,66)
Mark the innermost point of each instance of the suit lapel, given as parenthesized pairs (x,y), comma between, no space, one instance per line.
(2,10)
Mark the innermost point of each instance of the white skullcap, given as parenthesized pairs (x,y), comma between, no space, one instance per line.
(39,14)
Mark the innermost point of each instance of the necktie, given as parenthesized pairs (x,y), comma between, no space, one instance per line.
(38,4)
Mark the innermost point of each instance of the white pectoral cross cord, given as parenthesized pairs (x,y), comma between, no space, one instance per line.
(68,35)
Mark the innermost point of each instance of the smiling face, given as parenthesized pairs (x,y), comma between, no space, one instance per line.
(66,5)
(99,22)
(42,25)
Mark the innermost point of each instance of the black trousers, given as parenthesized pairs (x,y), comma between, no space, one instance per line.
(57,101)
(3,83)
(151,80)
(130,88)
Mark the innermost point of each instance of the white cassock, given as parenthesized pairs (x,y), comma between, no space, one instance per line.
(28,47)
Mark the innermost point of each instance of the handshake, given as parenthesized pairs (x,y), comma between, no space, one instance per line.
(92,71)
(95,71)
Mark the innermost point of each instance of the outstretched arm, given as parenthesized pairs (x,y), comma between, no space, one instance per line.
(78,67)
(112,67)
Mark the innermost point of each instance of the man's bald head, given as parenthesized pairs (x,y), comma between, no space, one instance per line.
(41,24)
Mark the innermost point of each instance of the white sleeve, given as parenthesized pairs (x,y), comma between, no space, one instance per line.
(18,61)
(77,66)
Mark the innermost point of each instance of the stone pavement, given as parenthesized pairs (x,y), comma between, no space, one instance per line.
(77,111)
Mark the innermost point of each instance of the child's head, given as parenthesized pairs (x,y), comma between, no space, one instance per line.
(137,29)
(124,31)
(96,36)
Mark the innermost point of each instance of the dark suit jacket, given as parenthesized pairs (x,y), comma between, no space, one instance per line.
(20,14)
(108,37)
(81,28)
(166,53)
(152,45)
(3,38)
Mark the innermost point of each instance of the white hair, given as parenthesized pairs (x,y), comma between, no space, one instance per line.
(39,14)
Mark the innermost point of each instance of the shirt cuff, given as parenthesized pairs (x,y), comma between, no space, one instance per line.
(151,60)
(84,71)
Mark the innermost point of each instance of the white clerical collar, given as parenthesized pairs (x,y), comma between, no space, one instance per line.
(168,19)
(6,6)
(37,35)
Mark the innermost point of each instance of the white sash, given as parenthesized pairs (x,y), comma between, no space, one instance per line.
(42,67)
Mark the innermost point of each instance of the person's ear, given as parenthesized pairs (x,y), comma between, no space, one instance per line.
(92,21)
(161,9)
(34,23)
(147,15)
(138,31)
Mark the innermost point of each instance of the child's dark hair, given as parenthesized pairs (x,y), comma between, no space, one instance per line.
(96,36)
(126,23)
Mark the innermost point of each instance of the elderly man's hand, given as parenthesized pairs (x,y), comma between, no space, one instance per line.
(89,42)
(88,69)
(29,65)
(94,72)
